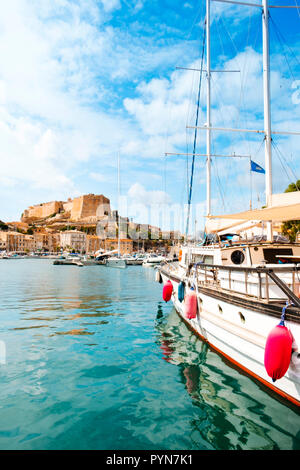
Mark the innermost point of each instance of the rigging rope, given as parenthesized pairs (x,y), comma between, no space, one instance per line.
(280,154)
(195,134)
(283,43)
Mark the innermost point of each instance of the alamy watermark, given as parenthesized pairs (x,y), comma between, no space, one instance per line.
(165,221)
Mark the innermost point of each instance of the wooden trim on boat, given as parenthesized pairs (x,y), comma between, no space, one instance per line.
(274,310)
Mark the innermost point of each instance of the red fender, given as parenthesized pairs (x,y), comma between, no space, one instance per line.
(167,291)
(190,304)
(278,352)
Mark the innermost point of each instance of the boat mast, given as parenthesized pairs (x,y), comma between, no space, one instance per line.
(267,110)
(208,112)
(118,204)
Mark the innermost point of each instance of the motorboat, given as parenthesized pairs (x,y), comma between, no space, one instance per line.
(153,260)
(116,262)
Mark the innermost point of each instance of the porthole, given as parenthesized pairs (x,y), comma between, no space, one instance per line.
(237,257)
(242,317)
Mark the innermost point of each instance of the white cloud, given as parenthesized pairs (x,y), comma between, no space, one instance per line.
(138,194)
(98,177)
(110,5)
(139,5)
(61,67)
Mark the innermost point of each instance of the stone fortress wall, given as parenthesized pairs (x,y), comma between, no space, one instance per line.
(41,211)
(87,207)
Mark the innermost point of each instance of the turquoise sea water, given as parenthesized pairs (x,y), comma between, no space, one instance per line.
(96,360)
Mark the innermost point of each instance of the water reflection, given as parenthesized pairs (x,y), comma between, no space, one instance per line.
(75,332)
(86,369)
(231,410)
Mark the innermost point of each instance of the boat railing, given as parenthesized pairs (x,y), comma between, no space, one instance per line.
(265,280)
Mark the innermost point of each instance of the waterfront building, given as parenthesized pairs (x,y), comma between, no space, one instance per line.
(41,241)
(126,245)
(29,243)
(73,240)
(93,244)
(16,241)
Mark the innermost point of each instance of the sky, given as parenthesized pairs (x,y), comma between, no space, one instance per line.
(83,81)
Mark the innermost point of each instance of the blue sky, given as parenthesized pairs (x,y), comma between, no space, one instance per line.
(82,80)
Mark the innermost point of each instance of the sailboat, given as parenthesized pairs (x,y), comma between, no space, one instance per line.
(117,261)
(243,297)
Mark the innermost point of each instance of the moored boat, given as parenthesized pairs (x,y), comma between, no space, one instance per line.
(116,262)
(248,292)
(153,260)
(239,305)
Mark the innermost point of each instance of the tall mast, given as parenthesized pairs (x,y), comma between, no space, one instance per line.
(119,204)
(208,112)
(267,109)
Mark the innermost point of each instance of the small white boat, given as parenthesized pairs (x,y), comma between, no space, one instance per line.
(73,257)
(116,262)
(133,260)
(153,260)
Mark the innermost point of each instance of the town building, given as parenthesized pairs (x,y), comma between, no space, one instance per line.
(126,245)
(73,240)
(11,241)
(93,244)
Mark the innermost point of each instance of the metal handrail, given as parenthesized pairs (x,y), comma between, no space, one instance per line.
(256,269)
(269,272)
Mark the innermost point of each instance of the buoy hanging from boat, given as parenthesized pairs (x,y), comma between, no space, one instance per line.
(190,304)
(167,291)
(278,350)
(181,291)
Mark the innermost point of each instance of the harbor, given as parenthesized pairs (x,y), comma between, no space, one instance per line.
(150,229)
(98,349)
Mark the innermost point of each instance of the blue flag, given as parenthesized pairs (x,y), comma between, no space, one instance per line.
(256,167)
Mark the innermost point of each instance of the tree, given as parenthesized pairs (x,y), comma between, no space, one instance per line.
(293,187)
(292,227)
(3,226)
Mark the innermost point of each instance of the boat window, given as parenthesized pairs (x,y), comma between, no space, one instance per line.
(237,257)
(204,259)
(197,258)
(271,254)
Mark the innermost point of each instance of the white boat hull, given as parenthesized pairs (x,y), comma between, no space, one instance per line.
(116,263)
(151,264)
(240,334)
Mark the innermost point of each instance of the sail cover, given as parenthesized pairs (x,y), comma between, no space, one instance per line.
(274,214)
(284,207)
